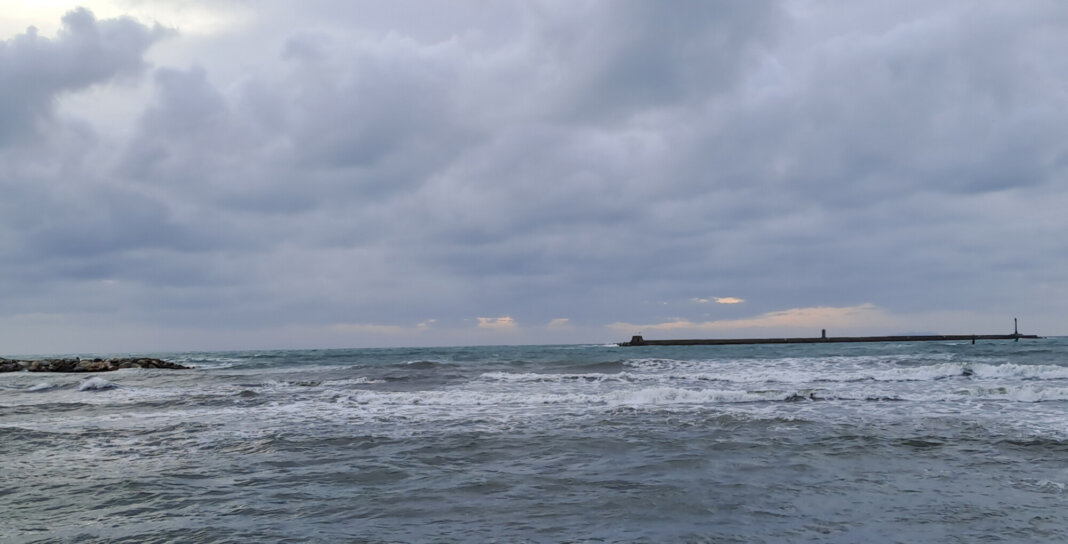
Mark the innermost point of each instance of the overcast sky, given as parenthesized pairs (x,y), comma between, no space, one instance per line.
(200,175)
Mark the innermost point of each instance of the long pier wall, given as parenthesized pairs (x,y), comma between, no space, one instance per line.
(639,341)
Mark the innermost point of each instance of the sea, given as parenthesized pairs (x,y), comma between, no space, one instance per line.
(875,442)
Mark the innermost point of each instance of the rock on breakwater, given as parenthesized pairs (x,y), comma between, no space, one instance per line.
(78,364)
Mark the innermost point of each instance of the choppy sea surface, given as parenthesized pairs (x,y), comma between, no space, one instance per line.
(909,442)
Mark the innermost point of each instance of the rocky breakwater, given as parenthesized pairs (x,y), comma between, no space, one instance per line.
(78,364)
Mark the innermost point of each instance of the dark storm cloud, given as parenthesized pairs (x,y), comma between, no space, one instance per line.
(54,202)
(637,56)
(360,164)
(186,136)
(105,222)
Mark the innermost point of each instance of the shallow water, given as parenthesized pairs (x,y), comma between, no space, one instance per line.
(806,443)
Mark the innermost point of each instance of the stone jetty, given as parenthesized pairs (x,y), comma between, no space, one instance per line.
(640,341)
(78,364)
(637,339)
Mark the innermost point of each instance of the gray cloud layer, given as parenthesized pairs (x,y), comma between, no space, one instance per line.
(597,161)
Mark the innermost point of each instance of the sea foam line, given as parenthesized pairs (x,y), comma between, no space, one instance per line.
(841,370)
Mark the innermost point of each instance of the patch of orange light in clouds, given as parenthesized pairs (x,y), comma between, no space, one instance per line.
(497,323)
(559,323)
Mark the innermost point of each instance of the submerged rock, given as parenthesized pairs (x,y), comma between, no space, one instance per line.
(78,364)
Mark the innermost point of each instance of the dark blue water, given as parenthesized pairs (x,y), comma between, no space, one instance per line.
(914,442)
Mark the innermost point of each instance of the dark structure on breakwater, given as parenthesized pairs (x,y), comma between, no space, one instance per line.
(637,340)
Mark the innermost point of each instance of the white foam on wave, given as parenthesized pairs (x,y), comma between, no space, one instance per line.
(96,384)
(1048,486)
(212,365)
(797,370)
(658,396)
(1012,370)
(791,371)
(432,360)
(205,362)
(43,386)
(838,369)
(362,380)
(534,377)
(1019,393)
(696,378)
(630,397)
(286,385)
(915,374)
